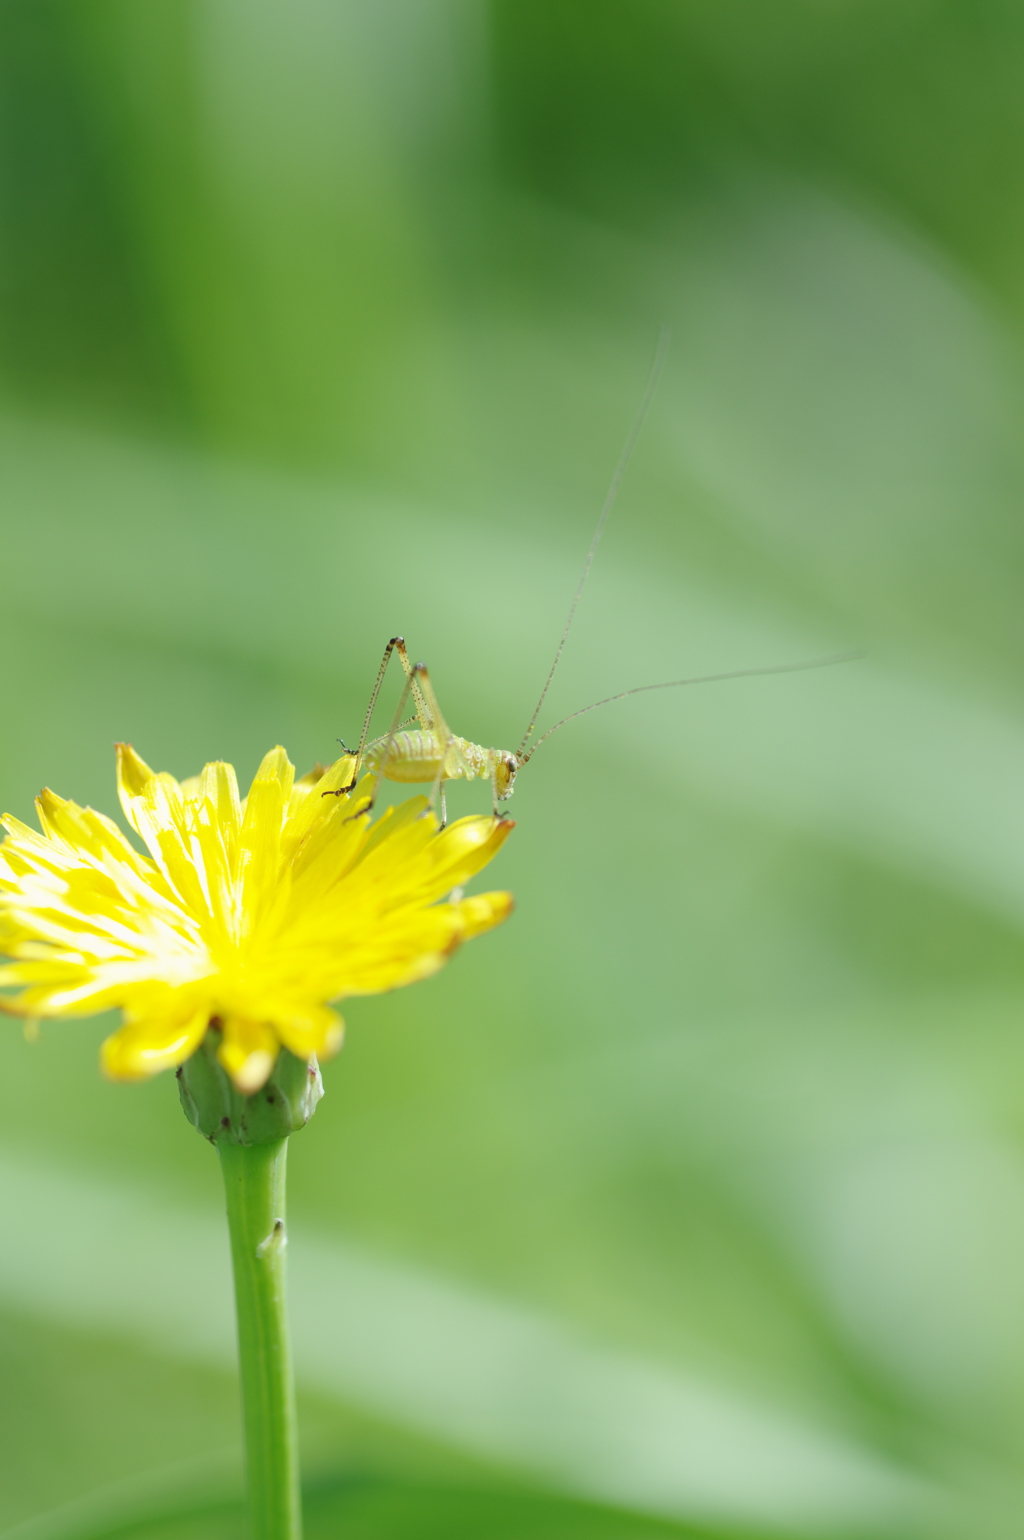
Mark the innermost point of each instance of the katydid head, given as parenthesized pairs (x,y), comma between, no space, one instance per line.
(505,768)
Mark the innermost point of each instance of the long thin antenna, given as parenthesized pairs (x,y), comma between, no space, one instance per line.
(609,502)
(673,684)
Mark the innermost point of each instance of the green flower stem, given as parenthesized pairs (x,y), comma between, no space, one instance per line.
(254,1178)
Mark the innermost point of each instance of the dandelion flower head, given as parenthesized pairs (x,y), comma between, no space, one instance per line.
(255,913)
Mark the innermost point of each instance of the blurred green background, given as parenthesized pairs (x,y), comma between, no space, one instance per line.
(692,1201)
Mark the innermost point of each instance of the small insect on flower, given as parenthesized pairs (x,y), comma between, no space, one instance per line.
(431,752)
(255,913)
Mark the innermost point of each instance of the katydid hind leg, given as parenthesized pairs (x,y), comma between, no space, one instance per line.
(407,689)
(424,699)
(433,717)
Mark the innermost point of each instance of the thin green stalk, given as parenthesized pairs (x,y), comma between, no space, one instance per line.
(254,1181)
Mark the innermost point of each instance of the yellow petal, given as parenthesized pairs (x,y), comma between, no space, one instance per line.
(146,1046)
(276,766)
(82,830)
(308,807)
(259,853)
(397,950)
(24,848)
(133,776)
(413,820)
(157,809)
(466,846)
(329,850)
(319,1031)
(449,860)
(247,1052)
(218,785)
(482,912)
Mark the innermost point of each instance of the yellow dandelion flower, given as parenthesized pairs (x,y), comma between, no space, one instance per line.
(256,912)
